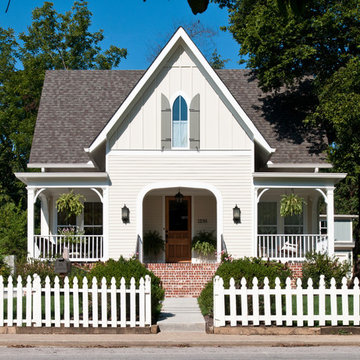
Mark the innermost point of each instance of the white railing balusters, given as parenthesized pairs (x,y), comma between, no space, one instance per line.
(289,246)
(287,304)
(81,247)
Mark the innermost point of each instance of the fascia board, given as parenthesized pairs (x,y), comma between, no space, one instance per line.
(180,34)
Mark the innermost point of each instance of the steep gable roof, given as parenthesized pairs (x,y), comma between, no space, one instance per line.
(76,105)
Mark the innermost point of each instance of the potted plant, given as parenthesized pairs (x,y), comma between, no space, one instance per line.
(204,246)
(291,204)
(70,204)
(153,245)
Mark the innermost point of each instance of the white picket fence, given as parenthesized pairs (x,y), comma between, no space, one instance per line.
(289,306)
(34,305)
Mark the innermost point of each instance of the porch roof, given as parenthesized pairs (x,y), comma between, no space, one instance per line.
(296,180)
(61,179)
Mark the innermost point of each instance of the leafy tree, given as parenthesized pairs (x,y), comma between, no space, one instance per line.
(52,41)
(216,61)
(288,42)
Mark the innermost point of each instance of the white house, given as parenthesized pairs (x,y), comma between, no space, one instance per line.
(129,141)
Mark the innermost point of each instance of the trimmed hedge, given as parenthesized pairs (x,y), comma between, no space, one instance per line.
(247,268)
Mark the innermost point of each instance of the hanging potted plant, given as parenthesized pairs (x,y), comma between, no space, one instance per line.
(70,204)
(291,204)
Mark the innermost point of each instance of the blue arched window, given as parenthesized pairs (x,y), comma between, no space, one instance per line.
(180,123)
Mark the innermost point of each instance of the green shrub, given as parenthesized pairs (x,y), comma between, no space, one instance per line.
(247,268)
(204,242)
(317,264)
(5,271)
(128,269)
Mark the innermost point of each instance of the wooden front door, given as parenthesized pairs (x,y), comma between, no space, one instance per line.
(178,229)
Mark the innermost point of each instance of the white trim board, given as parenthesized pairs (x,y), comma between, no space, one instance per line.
(179,36)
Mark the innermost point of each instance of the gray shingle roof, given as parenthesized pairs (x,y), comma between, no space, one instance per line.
(76,105)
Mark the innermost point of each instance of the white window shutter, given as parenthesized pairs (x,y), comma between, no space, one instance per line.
(195,123)
(165,123)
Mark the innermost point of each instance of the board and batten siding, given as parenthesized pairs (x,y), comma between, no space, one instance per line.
(141,127)
(130,172)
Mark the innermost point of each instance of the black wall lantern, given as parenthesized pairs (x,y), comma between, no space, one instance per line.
(236,215)
(125,214)
(179,197)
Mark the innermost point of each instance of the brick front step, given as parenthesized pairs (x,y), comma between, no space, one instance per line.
(183,279)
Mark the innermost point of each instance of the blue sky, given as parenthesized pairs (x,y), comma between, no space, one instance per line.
(136,25)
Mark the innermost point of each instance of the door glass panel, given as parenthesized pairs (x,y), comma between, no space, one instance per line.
(178,215)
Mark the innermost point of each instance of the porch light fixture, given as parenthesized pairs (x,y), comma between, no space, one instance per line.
(125,214)
(179,197)
(236,215)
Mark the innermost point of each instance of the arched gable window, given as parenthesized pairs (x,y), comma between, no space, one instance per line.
(180,123)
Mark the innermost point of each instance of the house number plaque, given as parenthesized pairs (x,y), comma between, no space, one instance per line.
(202,221)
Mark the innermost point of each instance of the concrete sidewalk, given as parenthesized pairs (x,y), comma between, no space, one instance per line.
(183,339)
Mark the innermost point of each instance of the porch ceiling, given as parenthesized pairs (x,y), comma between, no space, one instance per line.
(185,191)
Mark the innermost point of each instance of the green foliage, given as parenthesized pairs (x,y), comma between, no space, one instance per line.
(53,41)
(317,264)
(247,268)
(204,242)
(70,204)
(216,61)
(13,236)
(153,243)
(291,204)
(128,269)
(5,271)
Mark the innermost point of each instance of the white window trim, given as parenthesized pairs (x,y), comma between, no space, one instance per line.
(186,98)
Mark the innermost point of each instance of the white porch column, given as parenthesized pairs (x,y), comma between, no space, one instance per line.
(105,204)
(44,216)
(255,211)
(30,221)
(330,220)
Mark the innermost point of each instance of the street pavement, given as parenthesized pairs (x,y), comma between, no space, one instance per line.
(181,339)
(190,353)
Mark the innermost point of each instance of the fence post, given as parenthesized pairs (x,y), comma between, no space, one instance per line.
(322,300)
(299,303)
(356,301)
(232,303)
(113,302)
(244,303)
(76,301)
(267,308)
(147,300)
(28,301)
(19,302)
(141,303)
(94,297)
(103,303)
(10,296)
(1,301)
(255,301)
(47,302)
(288,297)
(37,301)
(66,302)
(122,302)
(132,303)
(278,307)
(57,301)
(345,302)
(85,299)
(333,302)
(310,302)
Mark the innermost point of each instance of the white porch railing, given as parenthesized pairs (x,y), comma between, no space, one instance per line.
(81,247)
(304,305)
(290,246)
(75,305)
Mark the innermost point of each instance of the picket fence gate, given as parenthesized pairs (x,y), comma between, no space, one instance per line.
(289,306)
(34,305)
